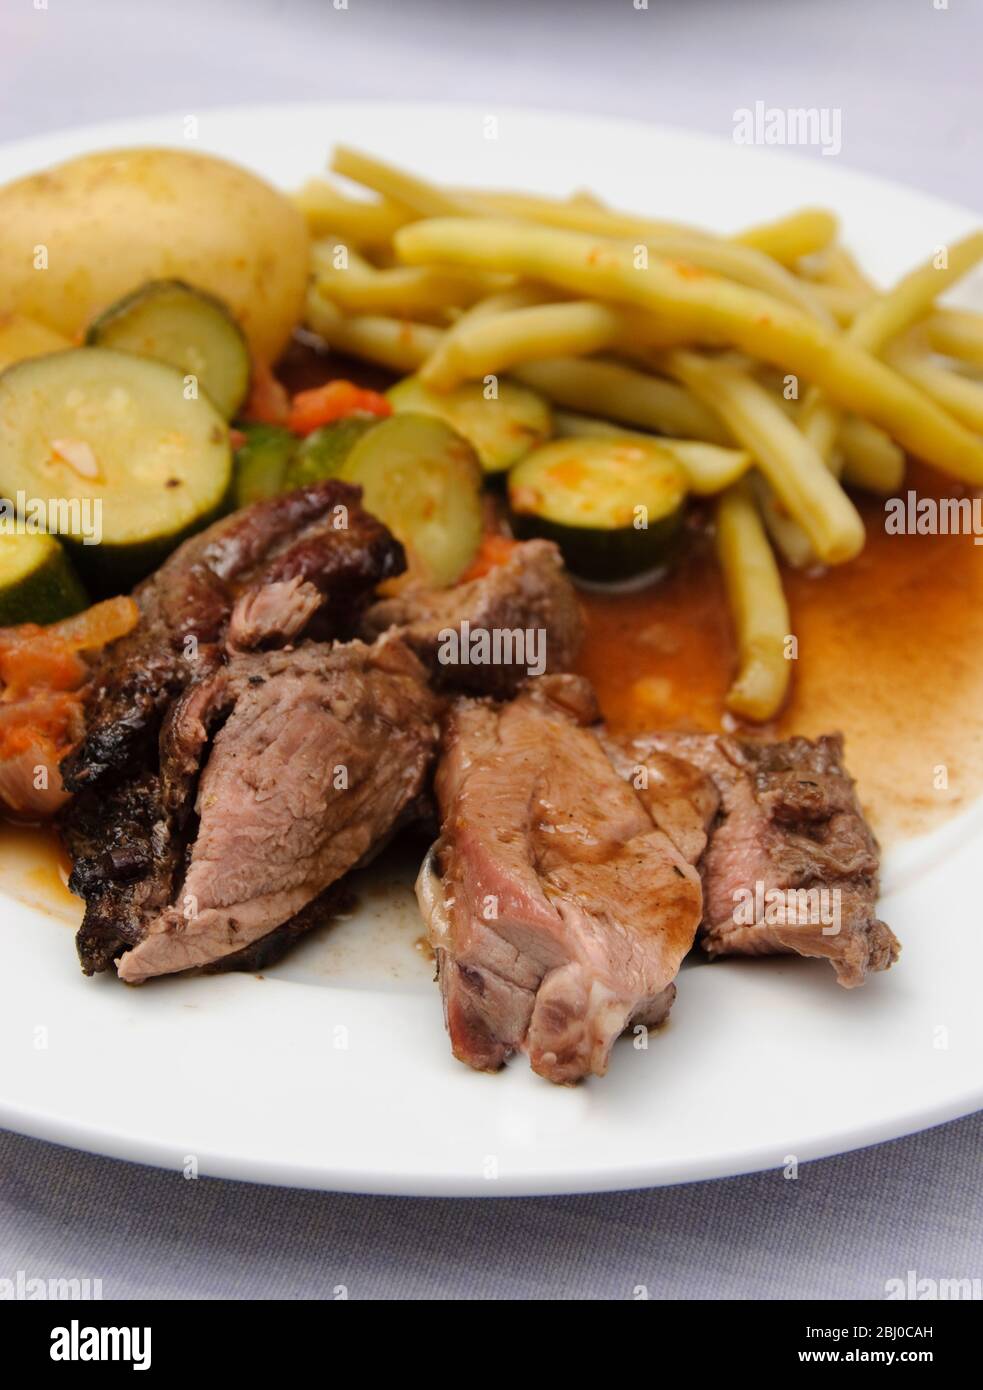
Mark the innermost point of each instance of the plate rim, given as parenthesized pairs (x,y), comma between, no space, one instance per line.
(231,111)
(382,1182)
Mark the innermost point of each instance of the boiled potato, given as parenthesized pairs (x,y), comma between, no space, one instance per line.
(111,221)
(22,337)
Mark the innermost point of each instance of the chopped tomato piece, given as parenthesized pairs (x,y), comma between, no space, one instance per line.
(494,550)
(39,666)
(336,400)
(96,626)
(45,658)
(53,719)
(268,402)
(41,675)
(35,734)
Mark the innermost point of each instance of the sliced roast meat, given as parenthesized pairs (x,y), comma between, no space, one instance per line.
(266,950)
(558,912)
(490,634)
(792,866)
(318,551)
(129,878)
(323,752)
(681,799)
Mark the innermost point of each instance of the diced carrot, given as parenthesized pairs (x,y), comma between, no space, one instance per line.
(336,400)
(268,402)
(494,550)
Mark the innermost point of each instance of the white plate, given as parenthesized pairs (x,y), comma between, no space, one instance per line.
(334,1071)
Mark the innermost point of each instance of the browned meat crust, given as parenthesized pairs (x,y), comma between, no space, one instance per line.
(125,857)
(271,788)
(792,865)
(530,592)
(304,564)
(319,537)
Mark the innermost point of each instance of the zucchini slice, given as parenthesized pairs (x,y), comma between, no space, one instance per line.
(613,505)
(323,453)
(501,430)
(261,463)
(37,581)
(424,482)
(191,330)
(124,465)
(709,468)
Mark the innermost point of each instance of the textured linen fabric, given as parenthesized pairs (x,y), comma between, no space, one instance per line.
(840,1230)
(905,75)
(906,80)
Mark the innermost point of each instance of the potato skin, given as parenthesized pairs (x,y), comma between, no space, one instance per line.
(115,219)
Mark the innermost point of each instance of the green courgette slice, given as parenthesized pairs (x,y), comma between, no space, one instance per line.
(424,481)
(612,505)
(124,463)
(178,324)
(502,429)
(38,583)
(322,454)
(709,468)
(261,464)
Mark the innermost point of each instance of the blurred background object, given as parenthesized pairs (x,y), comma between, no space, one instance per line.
(905,76)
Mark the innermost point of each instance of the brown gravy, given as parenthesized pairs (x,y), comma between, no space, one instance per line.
(890,653)
(34,870)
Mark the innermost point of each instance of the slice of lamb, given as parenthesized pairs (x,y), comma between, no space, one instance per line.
(681,799)
(530,593)
(337,899)
(322,753)
(317,539)
(558,913)
(792,866)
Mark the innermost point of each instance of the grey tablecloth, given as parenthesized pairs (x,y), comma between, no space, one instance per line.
(905,75)
(841,1230)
